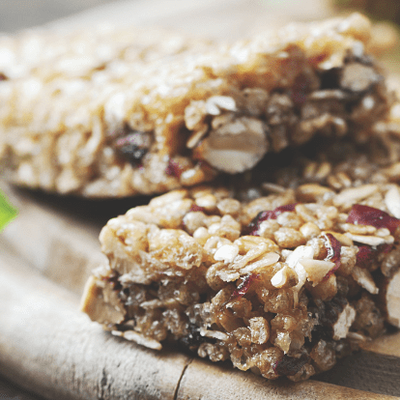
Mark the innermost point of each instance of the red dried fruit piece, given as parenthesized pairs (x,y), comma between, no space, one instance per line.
(333,248)
(244,286)
(2,77)
(195,207)
(173,168)
(265,215)
(364,215)
(365,255)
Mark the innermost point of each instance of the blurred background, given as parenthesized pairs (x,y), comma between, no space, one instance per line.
(19,14)
(215,19)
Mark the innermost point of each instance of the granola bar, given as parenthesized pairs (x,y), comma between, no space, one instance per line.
(282,284)
(112,114)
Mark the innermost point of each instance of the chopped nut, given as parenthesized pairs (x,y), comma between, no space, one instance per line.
(364,279)
(316,270)
(343,323)
(280,278)
(215,103)
(259,329)
(392,200)
(236,146)
(392,300)
(358,77)
(226,253)
(101,303)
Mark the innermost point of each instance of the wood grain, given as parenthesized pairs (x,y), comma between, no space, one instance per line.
(48,346)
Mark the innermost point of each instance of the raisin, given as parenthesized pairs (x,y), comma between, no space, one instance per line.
(195,207)
(330,79)
(254,225)
(133,145)
(289,366)
(244,286)
(174,168)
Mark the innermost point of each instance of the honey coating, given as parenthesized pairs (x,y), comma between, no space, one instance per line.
(283,284)
(112,113)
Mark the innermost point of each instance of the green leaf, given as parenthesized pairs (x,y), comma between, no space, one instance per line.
(7,211)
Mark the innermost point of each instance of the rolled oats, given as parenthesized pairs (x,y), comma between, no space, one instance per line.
(119,112)
(281,285)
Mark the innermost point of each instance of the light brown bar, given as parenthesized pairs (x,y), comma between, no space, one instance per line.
(111,114)
(284,284)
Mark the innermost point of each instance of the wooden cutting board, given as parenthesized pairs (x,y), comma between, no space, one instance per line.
(48,251)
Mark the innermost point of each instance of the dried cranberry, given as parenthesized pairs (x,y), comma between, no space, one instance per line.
(244,286)
(173,168)
(365,256)
(254,225)
(3,77)
(333,248)
(289,366)
(195,207)
(364,215)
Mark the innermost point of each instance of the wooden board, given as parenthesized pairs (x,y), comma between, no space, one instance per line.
(47,252)
(48,346)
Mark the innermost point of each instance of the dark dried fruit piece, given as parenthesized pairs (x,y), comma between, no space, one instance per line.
(133,145)
(3,77)
(289,366)
(364,215)
(195,207)
(266,215)
(365,256)
(333,248)
(244,286)
(174,169)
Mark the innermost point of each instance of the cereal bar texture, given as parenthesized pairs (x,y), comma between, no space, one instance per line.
(112,114)
(283,284)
